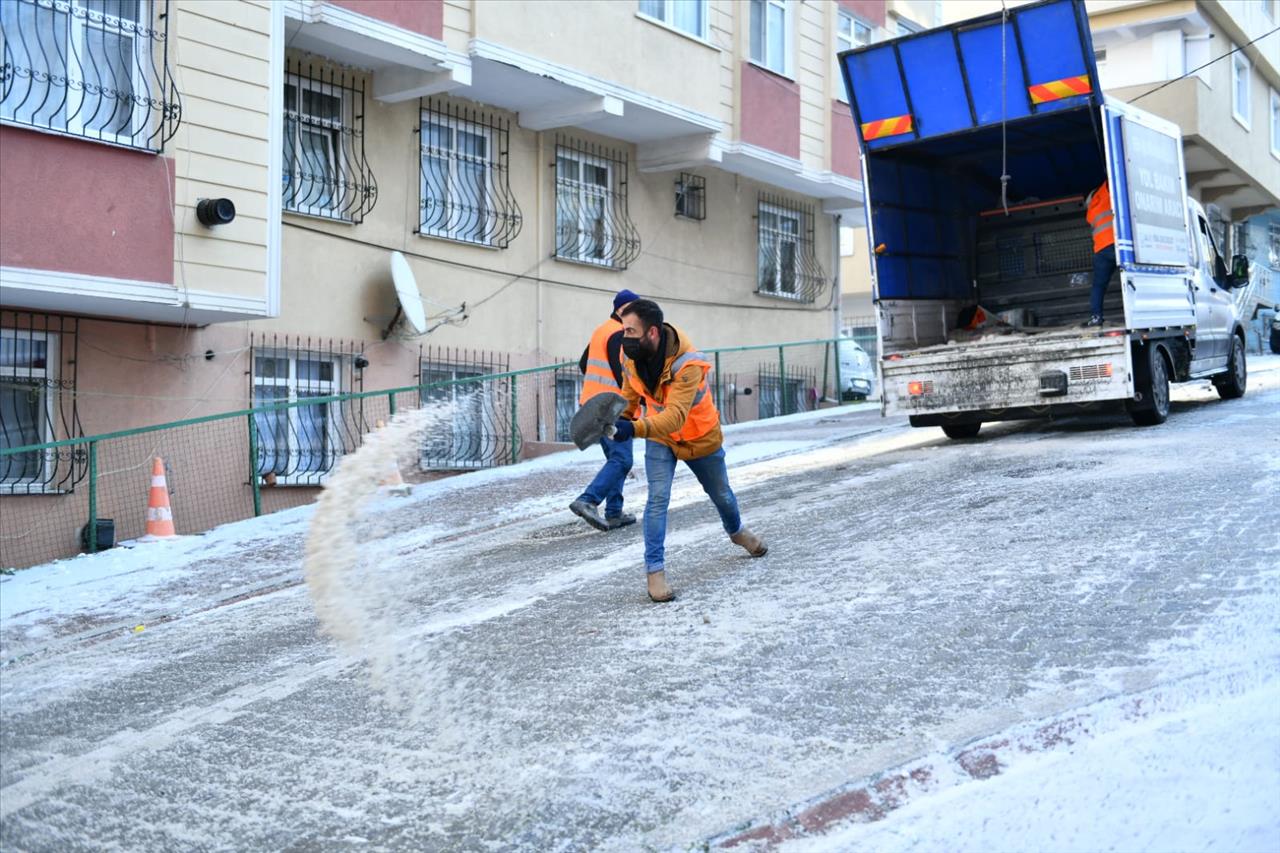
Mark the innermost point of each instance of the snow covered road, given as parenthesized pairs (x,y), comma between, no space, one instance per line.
(919,596)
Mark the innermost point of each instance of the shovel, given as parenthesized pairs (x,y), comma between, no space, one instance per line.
(595,419)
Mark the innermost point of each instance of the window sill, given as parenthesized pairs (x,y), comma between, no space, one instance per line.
(789,78)
(582,262)
(682,33)
(17,490)
(427,235)
(296,481)
(785,297)
(302,214)
(70,134)
(1243,122)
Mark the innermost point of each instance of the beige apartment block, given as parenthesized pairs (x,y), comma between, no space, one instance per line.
(527,160)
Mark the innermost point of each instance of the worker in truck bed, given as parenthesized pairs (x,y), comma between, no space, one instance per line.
(1101,219)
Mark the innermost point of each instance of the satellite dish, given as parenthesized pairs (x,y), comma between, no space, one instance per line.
(410,307)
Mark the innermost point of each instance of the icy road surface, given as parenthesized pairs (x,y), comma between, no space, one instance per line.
(921,598)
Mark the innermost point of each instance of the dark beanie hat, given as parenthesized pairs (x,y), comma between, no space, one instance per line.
(623,297)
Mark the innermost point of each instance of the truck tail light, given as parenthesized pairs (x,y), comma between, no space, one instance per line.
(915,389)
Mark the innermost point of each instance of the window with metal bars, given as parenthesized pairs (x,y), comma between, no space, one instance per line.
(691,196)
(38,358)
(593,225)
(299,445)
(568,390)
(465,192)
(784,395)
(97,69)
(325,170)
(787,261)
(479,432)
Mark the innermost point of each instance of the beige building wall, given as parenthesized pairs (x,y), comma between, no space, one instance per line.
(336,276)
(609,41)
(460,22)
(727,18)
(855,277)
(221,60)
(813,72)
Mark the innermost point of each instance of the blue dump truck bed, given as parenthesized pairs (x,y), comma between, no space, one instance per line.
(980,143)
(943,115)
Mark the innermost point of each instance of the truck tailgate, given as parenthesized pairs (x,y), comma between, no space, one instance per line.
(1008,373)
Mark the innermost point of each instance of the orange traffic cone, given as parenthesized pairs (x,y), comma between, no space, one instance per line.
(392,479)
(159,515)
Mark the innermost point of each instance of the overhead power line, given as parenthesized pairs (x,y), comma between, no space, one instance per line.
(1206,65)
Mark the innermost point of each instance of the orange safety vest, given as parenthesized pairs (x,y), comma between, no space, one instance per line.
(703,415)
(1101,219)
(599,376)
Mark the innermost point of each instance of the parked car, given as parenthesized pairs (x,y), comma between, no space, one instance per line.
(857,371)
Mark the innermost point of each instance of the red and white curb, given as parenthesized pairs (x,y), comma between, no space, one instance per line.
(873,798)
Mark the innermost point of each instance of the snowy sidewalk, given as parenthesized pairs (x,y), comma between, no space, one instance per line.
(131,587)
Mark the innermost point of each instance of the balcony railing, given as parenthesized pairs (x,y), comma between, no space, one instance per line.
(97,69)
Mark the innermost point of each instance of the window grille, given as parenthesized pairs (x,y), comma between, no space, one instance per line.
(299,445)
(593,225)
(38,362)
(788,264)
(465,191)
(325,170)
(97,69)
(479,435)
(691,196)
(568,389)
(785,395)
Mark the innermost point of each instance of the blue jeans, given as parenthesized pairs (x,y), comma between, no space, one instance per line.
(607,486)
(1104,264)
(660,469)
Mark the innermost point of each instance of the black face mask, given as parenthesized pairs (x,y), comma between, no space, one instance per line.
(634,348)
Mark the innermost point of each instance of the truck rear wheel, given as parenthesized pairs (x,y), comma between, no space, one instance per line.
(1153,384)
(1231,384)
(959,431)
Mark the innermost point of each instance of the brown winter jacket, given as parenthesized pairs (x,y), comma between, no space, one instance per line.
(676,393)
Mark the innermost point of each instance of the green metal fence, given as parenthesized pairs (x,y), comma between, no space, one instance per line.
(238,465)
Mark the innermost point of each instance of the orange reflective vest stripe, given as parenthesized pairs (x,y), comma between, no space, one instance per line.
(703,415)
(599,376)
(1101,219)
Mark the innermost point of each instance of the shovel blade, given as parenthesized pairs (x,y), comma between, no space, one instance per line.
(596,416)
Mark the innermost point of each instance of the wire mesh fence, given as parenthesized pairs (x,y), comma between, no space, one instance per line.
(238,465)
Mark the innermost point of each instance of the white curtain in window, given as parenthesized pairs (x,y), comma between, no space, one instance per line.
(687,15)
(35,39)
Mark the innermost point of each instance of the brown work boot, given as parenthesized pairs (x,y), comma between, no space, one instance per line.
(658,589)
(754,544)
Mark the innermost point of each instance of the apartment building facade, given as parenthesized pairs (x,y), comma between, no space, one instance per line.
(526,160)
(1207,65)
